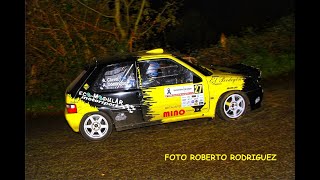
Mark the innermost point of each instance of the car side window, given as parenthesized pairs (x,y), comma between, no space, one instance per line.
(115,77)
(165,72)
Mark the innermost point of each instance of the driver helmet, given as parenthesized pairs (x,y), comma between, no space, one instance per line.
(152,70)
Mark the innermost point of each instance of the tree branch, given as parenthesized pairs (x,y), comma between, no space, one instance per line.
(36,48)
(118,19)
(96,28)
(139,17)
(43,28)
(66,30)
(39,55)
(95,10)
(127,5)
(55,50)
(158,16)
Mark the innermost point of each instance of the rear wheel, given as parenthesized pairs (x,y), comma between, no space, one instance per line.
(232,105)
(96,126)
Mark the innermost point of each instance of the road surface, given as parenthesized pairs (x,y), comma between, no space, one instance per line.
(260,146)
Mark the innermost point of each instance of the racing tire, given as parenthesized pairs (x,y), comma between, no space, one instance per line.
(232,105)
(96,126)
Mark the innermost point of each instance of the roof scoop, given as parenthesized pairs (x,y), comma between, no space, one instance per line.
(155,51)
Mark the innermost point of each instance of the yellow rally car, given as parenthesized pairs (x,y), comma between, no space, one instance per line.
(153,87)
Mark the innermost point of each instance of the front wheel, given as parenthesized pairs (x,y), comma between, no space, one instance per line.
(232,105)
(96,126)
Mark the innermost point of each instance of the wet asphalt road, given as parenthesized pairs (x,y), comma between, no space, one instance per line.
(54,151)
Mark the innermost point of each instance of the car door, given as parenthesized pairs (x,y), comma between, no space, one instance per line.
(171,92)
(116,92)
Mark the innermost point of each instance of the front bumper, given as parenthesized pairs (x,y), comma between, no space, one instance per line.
(255,98)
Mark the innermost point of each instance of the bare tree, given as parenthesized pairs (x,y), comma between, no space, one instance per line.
(61,35)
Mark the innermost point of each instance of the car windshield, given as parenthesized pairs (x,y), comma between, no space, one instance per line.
(205,71)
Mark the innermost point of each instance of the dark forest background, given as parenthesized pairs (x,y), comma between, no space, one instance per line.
(64,35)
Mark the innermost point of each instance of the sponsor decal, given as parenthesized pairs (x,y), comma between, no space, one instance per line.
(119,78)
(118,83)
(178,91)
(192,100)
(120,117)
(220,80)
(172,107)
(107,101)
(174,113)
(86,86)
(168,91)
(257,100)
(232,87)
(115,82)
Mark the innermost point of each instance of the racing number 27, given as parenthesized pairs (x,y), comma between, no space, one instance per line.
(198,88)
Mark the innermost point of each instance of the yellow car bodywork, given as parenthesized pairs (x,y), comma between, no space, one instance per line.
(212,87)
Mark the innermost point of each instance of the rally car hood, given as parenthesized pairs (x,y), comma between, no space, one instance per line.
(222,76)
(242,69)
